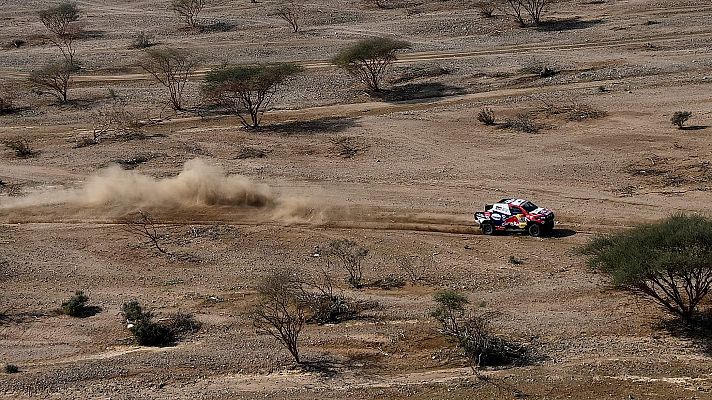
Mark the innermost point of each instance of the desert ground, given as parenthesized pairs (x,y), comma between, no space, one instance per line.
(419,164)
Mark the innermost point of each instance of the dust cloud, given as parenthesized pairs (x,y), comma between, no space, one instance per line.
(199,184)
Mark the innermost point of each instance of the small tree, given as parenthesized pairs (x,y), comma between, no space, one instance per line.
(280,313)
(76,306)
(369,59)
(53,79)
(516,9)
(680,117)
(472,333)
(536,8)
(290,11)
(61,20)
(187,10)
(349,255)
(247,90)
(668,262)
(144,225)
(170,67)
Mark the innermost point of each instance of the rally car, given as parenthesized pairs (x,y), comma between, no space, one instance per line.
(515,215)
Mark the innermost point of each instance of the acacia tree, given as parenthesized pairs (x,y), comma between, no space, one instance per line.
(61,20)
(187,10)
(290,11)
(170,67)
(247,90)
(280,312)
(368,59)
(53,79)
(534,8)
(669,262)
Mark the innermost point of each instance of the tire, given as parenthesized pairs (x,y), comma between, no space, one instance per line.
(535,230)
(487,228)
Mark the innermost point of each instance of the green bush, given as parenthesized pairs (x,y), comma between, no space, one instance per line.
(76,306)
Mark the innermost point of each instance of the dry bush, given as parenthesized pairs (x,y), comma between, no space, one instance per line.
(487,8)
(142,40)
(114,122)
(11,369)
(349,256)
(521,123)
(486,116)
(348,147)
(8,94)
(251,152)
(325,305)
(76,306)
(574,111)
(416,268)
(143,225)
(473,333)
(22,148)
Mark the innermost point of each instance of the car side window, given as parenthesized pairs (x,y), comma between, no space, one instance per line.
(515,210)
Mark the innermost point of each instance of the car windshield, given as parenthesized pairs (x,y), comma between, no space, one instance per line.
(529,206)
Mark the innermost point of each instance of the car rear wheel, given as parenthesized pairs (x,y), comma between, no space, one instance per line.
(487,228)
(535,230)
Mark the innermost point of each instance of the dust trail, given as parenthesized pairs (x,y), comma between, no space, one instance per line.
(199,184)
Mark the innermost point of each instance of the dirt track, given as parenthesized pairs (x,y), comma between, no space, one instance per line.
(423,166)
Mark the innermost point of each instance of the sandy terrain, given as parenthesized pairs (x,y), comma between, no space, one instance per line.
(424,164)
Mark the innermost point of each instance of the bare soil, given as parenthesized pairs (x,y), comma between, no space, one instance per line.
(421,165)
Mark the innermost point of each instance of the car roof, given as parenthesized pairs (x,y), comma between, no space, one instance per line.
(516,202)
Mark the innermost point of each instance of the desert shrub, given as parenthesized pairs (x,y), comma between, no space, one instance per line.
(668,262)
(53,79)
(171,68)
(348,147)
(133,311)
(11,369)
(388,282)
(187,10)
(76,306)
(368,59)
(181,324)
(280,312)
(114,122)
(7,98)
(143,225)
(142,40)
(416,268)
(349,256)
(148,332)
(521,123)
(574,111)
(487,8)
(21,147)
(515,261)
(473,334)
(680,117)
(324,305)
(486,116)
(251,152)
(247,90)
